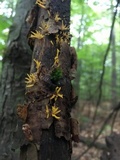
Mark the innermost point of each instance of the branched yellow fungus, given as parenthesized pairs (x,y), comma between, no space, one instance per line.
(47,112)
(52,43)
(56,59)
(44,27)
(55,111)
(56,94)
(63,38)
(37,35)
(49,13)
(57,39)
(38,64)
(30,80)
(57,17)
(41,3)
(66,37)
(64,27)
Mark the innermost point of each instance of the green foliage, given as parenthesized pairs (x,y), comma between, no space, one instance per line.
(90,27)
(4,28)
(7,12)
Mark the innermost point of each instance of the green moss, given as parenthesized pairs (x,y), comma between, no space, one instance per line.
(56,75)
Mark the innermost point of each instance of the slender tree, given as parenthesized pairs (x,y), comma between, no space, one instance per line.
(113,74)
(48,126)
(113,62)
(16,64)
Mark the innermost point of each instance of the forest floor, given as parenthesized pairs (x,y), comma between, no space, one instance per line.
(90,129)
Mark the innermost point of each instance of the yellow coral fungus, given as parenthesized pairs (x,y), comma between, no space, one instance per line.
(49,13)
(52,43)
(57,17)
(41,3)
(44,27)
(66,37)
(37,64)
(37,35)
(60,39)
(56,94)
(55,111)
(57,39)
(47,112)
(56,59)
(30,80)
(64,27)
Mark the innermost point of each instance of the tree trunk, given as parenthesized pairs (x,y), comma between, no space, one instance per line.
(48,124)
(114,75)
(16,63)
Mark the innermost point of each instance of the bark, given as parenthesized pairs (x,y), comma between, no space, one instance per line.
(48,126)
(16,63)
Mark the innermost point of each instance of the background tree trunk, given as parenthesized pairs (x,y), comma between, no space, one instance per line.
(113,74)
(16,63)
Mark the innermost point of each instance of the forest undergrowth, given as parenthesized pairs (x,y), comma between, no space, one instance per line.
(90,129)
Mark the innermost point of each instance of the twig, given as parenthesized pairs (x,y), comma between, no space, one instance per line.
(115,115)
(113,121)
(88,141)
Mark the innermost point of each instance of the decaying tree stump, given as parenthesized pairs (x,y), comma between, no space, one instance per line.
(113,144)
(48,126)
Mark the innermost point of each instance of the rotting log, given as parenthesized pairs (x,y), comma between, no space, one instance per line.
(48,126)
